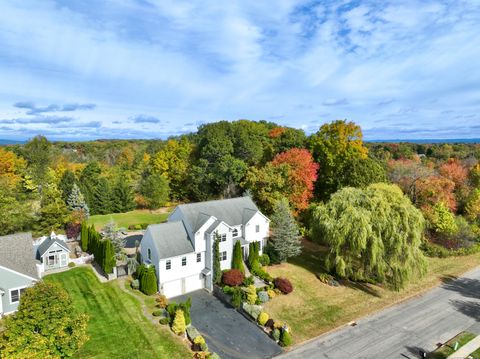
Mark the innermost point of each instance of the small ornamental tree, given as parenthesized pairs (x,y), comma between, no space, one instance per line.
(148,281)
(178,326)
(217,271)
(46,325)
(237,260)
(285,232)
(233,277)
(441,219)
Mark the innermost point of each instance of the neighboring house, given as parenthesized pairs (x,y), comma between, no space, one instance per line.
(52,252)
(181,249)
(18,269)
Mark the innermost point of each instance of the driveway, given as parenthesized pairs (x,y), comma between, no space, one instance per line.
(226,331)
(403,330)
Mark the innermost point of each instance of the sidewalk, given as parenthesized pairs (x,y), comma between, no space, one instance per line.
(467,349)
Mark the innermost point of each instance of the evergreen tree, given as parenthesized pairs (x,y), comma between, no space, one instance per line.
(217,271)
(66,184)
(253,253)
(108,257)
(102,198)
(53,213)
(285,232)
(123,199)
(237,260)
(89,178)
(84,237)
(178,326)
(148,281)
(155,189)
(76,201)
(111,233)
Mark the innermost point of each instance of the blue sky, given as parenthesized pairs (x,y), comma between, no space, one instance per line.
(154,68)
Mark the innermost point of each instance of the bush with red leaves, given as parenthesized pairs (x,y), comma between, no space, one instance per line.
(72,230)
(233,277)
(284,285)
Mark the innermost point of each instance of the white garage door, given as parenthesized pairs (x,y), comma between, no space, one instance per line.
(173,288)
(194,282)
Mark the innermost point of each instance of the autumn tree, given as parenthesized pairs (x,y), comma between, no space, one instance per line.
(12,168)
(454,171)
(332,146)
(38,153)
(46,325)
(53,213)
(302,173)
(435,189)
(472,208)
(373,234)
(440,219)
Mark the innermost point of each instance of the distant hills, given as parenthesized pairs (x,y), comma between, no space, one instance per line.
(10,142)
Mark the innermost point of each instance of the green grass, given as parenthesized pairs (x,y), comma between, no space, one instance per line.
(447,349)
(117,326)
(314,308)
(123,220)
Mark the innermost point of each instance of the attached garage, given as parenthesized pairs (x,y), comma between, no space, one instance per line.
(195,282)
(172,289)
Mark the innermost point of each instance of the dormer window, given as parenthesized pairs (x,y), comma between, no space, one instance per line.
(235,232)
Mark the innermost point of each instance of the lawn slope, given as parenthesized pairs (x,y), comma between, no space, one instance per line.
(126,219)
(117,326)
(314,308)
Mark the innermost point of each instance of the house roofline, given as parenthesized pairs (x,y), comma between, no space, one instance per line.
(19,273)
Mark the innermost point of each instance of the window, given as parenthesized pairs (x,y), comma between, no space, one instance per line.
(235,233)
(169,264)
(16,294)
(184,261)
(224,238)
(257,228)
(149,254)
(223,256)
(199,257)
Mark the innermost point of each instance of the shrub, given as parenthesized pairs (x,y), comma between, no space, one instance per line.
(271,293)
(272,253)
(164,321)
(284,285)
(135,284)
(251,294)
(171,309)
(157,313)
(270,324)
(237,297)
(262,318)
(264,259)
(178,326)
(192,333)
(233,277)
(259,272)
(185,307)
(148,281)
(71,264)
(248,280)
(200,342)
(276,334)
(278,324)
(263,296)
(252,310)
(324,277)
(162,301)
(228,290)
(285,338)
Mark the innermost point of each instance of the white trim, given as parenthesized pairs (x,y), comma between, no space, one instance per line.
(268,219)
(59,244)
(10,294)
(23,275)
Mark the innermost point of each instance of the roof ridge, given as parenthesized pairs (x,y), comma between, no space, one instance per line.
(213,200)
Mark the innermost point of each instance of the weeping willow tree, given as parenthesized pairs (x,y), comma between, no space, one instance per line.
(373,234)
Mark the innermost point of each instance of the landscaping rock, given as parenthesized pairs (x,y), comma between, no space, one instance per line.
(192,332)
(252,310)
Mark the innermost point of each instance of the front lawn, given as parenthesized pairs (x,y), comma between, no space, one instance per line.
(314,308)
(123,220)
(447,349)
(117,325)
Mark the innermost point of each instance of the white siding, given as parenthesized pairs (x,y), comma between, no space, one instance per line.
(251,235)
(178,271)
(146,244)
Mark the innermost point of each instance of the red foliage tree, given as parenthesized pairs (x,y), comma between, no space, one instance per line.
(233,277)
(454,171)
(435,189)
(284,285)
(302,175)
(276,132)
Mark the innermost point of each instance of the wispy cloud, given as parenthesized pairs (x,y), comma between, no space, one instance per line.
(192,62)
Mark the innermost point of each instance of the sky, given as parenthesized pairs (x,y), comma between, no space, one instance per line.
(79,70)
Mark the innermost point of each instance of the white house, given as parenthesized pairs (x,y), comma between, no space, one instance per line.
(52,252)
(181,249)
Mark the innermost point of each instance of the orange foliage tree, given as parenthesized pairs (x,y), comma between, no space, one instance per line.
(454,171)
(11,167)
(302,174)
(435,189)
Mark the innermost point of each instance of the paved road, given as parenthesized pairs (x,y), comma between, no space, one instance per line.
(226,331)
(401,331)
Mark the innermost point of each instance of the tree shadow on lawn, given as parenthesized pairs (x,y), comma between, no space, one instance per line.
(467,287)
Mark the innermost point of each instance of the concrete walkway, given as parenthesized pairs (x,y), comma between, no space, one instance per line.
(467,349)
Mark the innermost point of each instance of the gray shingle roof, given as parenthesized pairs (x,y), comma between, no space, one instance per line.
(16,253)
(233,211)
(170,239)
(47,243)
